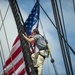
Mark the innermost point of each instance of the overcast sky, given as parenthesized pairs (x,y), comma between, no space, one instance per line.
(50,31)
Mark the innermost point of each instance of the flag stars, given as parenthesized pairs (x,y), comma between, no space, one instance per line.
(30,17)
(29,30)
(26,21)
(26,26)
(34,9)
(30,21)
(30,26)
(33,12)
(33,23)
(35,18)
(36,14)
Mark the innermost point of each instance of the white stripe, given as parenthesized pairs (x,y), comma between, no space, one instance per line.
(20,68)
(16,60)
(25,73)
(7,68)
(15,47)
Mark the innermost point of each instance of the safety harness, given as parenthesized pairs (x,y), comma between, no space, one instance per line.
(45,48)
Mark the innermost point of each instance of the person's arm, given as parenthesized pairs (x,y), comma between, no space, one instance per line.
(28,39)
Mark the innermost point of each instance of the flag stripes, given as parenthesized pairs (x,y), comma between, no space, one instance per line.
(17,59)
(15,62)
(15,67)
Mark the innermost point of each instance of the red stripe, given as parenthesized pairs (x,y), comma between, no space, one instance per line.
(17,38)
(22,72)
(15,67)
(13,56)
(30,73)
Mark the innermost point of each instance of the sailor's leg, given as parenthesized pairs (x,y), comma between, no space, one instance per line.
(34,57)
(40,62)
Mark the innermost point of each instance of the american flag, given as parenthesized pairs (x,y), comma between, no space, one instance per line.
(33,18)
(15,64)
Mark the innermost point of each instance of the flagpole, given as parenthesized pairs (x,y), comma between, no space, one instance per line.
(1,57)
(6,40)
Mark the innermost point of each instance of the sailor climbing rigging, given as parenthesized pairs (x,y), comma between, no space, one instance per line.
(38,57)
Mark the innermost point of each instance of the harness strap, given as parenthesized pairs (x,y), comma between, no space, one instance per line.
(42,55)
(43,48)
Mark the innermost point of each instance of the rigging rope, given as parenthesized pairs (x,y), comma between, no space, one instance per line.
(56,28)
(22,21)
(63,20)
(56,16)
(6,35)
(67,48)
(24,43)
(4,30)
(5,16)
(52,60)
(64,48)
(73,5)
(1,57)
(2,51)
(44,35)
(2,62)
